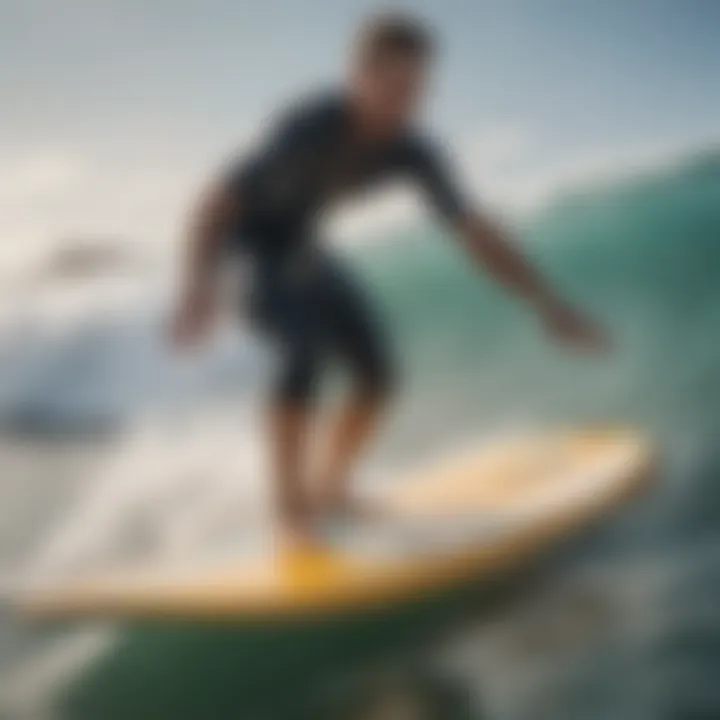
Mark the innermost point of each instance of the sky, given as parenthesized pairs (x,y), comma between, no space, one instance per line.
(115,112)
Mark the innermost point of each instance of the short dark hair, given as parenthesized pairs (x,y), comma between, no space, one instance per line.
(395,34)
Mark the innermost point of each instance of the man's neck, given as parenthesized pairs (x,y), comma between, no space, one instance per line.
(369,126)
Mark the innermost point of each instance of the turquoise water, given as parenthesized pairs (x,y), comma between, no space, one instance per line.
(624,624)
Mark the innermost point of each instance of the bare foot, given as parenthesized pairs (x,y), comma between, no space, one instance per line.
(297,535)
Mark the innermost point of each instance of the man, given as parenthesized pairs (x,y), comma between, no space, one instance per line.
(268,206)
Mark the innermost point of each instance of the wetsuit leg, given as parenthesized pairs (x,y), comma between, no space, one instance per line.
(356,334)
(291,315)
(322,314)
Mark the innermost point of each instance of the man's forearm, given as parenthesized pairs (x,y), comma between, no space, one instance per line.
(489,244)
(208,228)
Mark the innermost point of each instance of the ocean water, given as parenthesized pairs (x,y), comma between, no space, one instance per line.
(111,450)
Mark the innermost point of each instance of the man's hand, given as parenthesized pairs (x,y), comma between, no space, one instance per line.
(192,320)
(488,243)
(569,327)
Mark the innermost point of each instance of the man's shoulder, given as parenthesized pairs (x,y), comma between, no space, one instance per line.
(320,110)
(418,145)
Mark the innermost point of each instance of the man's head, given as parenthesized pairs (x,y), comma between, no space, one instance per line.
(390,68)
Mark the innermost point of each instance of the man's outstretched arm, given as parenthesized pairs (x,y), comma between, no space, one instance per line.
(216,213)
(491,246)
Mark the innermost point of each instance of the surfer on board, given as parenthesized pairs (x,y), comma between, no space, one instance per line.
(267,205)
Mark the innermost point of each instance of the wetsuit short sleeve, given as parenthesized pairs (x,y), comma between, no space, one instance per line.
(278,168)
(254,176)
(429,167)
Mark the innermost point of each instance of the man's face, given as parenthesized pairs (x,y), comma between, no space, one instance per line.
(391,87)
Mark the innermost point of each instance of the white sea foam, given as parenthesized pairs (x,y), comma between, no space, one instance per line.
(166,491)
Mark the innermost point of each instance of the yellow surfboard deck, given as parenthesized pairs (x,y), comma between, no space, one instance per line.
(463,519)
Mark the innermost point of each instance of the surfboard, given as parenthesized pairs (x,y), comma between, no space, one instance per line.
(464,518)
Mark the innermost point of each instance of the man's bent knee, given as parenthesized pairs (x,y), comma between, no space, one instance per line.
(297,383)
(377,383)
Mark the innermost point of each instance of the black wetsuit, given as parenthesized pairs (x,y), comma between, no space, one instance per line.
(302,296)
